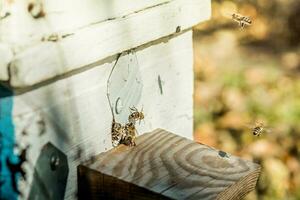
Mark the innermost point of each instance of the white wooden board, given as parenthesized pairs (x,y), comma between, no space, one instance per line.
(76,112)
(94,41)
(62,16)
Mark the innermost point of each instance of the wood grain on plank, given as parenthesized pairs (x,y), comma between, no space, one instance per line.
(101,40)
(176,168)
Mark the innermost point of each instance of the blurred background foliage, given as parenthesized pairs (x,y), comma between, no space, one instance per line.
(247,75)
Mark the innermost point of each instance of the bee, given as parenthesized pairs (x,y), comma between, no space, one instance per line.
(258,128)
(242,20)
(126,134)
(135,115)
(117,133)
(130,136)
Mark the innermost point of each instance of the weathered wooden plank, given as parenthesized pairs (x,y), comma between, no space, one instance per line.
(76,114)
(115,187)
(101,40)
(171,166)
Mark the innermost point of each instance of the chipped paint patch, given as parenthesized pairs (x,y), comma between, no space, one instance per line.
(160,85)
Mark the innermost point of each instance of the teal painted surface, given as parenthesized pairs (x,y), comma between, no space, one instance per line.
(7,141)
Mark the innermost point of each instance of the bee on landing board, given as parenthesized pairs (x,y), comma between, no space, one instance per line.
(130,136)
(258,128)
(123,134)
(135,115)
(126,134)
(241,20)
(117,132)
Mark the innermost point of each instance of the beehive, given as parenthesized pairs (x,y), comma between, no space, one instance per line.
(55,60)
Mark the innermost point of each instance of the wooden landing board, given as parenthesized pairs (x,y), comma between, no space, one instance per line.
(166,166)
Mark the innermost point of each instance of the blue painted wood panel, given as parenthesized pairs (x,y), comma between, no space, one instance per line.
(7,141)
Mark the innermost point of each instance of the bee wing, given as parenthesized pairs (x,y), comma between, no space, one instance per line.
(236,20)
(229,15)
(137,133)
(267,130)
(131,109)
(249,126)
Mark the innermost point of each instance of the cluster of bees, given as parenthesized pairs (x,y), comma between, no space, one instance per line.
(126,134)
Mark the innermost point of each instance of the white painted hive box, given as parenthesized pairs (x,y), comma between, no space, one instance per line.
(55,60)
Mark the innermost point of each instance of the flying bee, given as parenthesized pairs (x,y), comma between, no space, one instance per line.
(135,115)
(242,20)
(258,128)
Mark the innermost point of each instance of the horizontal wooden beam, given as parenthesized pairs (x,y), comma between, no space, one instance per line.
(168,166)
(20,30)
(37,60)
(62,16)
